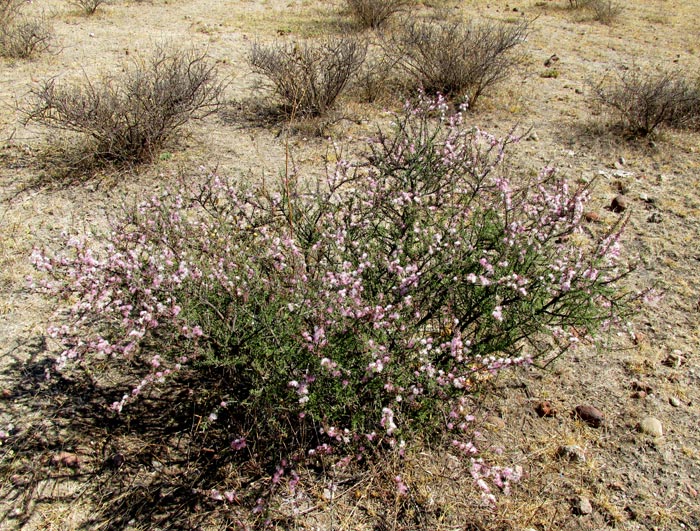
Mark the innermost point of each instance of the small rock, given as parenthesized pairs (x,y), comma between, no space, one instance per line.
(645,197)
(619,204)
(116,460)
(6,393)
(572,452)
(651,426)
(545,409)
(590,415)
(621,161)
(66,459)
(533,136)
(674,401)
(552,59)
(674,360)
(593,217)
(495,422)
(692,491)
(583,506)
(639,394)
(638,338)
(641,386)
(655,217)
(578,91)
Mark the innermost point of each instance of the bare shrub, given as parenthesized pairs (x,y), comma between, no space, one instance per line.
(374,13)
(308,77)
(644,101)
(87,6)
(9,9)
(457,59)
(129,119)
(605,11)
(22,36)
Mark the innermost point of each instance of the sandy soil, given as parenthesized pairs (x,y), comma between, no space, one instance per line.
(633,481)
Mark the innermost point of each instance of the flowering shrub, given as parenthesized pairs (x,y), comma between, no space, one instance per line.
(354,313)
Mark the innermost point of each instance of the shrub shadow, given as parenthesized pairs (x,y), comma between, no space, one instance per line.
(153,466)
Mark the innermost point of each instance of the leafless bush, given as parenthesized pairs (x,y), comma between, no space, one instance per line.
(374,13)
(22,36)
(605,11)
(9,9)
(88,6)
(644,101)
(129,119)
(308,77)
(457,59)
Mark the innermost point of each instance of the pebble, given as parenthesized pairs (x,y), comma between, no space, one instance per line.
(545,409)
(572,452)
(496,422)
(651,426)
(6,393)
(619,204)
(640,386)
(66,459)
(675,360)
(583,506)
(593,217)
(674,401)
(590,415)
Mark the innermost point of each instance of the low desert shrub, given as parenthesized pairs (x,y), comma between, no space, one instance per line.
(128,118)
(22,36)
(605,11)
(644,101)
(353,314)
(457,59)
(308,77)
(87,6)
(374,13)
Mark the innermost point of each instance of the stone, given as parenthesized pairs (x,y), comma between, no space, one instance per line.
(674,359)
(545,409)
(651,426)
(619,204)
(66,459)
(6,393)
(641,386)
(639,394)
(533,136)
(552,59)
(583,506)
(593,217)
(674,401)
(572,452)
(590,415)
(495,422)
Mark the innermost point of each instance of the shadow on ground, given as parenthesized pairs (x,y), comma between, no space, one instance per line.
(152,467)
